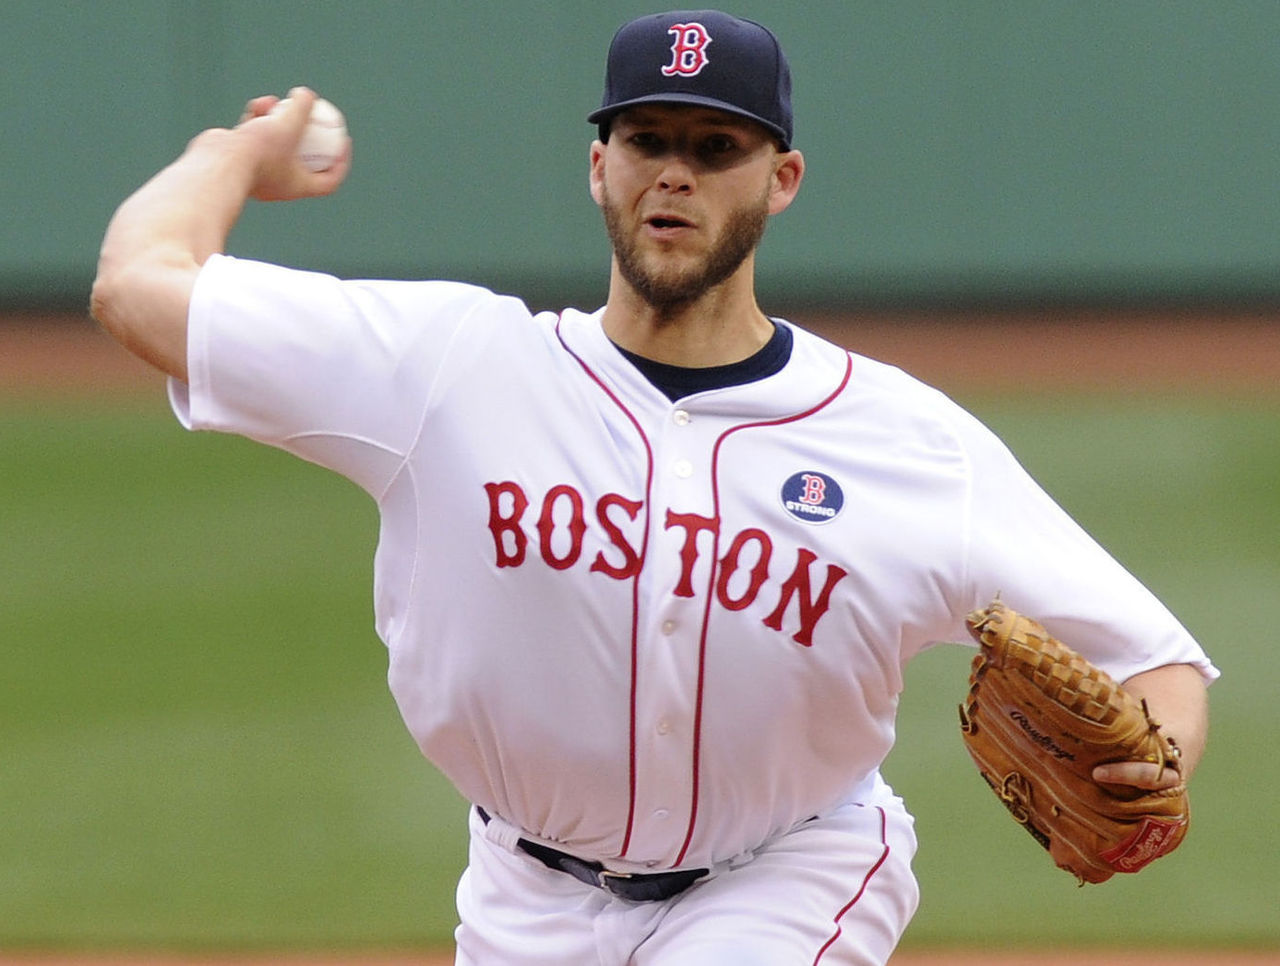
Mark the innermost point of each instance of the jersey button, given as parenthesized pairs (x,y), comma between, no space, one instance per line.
(683,469)
(664,727)
(680,417)
(668,628)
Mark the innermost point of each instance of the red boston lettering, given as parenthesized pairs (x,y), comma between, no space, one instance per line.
(740,575)
(798,585)
(504,524)
(729,565)
(547,527)
(693,525)
(630,558)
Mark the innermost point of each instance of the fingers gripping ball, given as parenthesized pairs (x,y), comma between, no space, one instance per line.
(1037,720)
(324,138)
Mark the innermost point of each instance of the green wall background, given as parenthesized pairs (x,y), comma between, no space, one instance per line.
(977,150)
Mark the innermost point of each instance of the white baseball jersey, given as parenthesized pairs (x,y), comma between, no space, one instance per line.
(654,634)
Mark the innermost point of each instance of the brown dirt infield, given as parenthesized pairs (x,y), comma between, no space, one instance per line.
(1092,957)
(1232,351)
(1229,352)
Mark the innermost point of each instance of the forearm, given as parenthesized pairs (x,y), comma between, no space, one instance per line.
(191,205)
(161,235)
(159,238)
(1178,699)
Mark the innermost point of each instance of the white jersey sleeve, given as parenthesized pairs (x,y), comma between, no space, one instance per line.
(336,372)
(1025,547)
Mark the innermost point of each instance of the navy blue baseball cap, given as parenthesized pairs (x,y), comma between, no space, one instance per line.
(701,57)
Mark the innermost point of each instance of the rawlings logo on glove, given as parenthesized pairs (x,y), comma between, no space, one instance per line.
(1037,720)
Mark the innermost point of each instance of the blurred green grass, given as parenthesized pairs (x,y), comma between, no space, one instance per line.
(197,748)
(198,745)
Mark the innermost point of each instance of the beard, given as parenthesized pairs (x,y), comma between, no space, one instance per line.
(668,287)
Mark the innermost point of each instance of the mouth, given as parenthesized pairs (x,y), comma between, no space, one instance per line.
(667,227)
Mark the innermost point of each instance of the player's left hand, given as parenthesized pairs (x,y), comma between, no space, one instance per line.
(1048,731)
(1146,775)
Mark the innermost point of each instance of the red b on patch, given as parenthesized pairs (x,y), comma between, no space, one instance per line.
(815,489)
(689,51)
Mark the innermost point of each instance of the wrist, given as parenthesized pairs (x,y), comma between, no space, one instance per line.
(226,158)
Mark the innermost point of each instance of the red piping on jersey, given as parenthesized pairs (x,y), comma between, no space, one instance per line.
(711,583)
(866,880)
(635,585)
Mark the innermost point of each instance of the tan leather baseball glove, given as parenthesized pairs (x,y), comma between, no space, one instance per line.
(1037,720)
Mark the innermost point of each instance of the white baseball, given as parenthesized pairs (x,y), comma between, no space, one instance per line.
(325,136)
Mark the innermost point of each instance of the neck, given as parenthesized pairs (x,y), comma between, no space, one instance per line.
(721,326)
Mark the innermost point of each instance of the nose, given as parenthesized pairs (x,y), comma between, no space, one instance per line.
(675,175)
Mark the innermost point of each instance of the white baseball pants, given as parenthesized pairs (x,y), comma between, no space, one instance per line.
(835,891)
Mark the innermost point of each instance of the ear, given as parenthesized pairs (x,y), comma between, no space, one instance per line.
(788,172)
(596,174)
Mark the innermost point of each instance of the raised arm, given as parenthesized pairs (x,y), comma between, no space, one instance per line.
(161,235)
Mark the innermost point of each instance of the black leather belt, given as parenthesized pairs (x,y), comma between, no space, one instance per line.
(637,888)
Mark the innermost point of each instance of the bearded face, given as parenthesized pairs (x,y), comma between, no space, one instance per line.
(669,275)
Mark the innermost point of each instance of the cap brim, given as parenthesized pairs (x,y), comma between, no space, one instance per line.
(605,114)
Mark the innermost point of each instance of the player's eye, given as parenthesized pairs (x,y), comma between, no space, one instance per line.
(718,150)
(646,142)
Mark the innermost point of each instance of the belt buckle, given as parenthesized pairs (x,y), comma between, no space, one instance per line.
(605,879)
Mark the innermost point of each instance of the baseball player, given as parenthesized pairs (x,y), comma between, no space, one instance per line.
(648,576)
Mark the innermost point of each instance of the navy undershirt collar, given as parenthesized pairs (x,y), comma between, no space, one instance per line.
(676,382)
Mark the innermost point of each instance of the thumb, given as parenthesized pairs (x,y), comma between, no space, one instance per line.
(1149,776)
(294,110)
(281,174)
